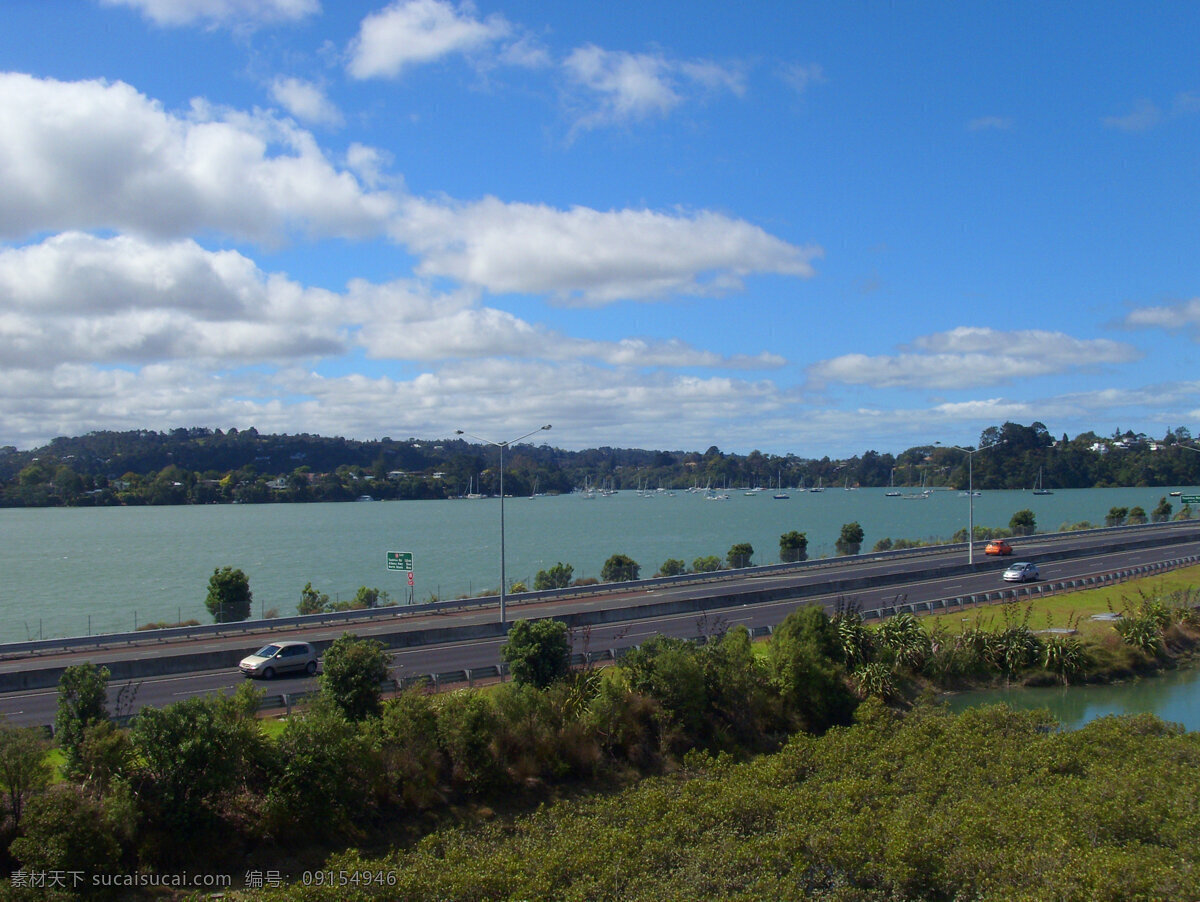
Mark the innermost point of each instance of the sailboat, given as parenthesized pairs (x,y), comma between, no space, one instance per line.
(1037,489)
(818,487)
(891,492)
(918,496)
(780,494)
(471,493)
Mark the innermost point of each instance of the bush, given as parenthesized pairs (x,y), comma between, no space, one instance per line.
(740,555)
(82,701)
(709,564)
(672,567)
(351,674)
(851,539)
(557,577)
(537,652)
(620,568)
(229,597)
(1023,523)
(793,547)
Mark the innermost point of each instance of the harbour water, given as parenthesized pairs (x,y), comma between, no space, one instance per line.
(81,571)
(1173,695)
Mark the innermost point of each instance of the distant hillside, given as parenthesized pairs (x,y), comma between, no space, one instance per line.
(201,466)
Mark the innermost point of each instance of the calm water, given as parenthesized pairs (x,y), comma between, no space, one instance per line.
(1173,696)
(69,572)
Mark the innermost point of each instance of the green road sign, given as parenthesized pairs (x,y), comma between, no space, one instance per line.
(1190,499)
(400,560)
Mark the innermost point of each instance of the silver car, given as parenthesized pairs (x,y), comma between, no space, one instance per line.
(280,657)
(1020,572)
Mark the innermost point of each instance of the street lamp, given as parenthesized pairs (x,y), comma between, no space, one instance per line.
(970,494)
(502,446)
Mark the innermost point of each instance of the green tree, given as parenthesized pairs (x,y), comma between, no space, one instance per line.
(24,769)
(793,547)
(312,601)
(672,567)
(82,701)
(670,670)
(620,568)
(557,577)
(851,539)
(67,830)
(708,564)
(739,555)
(352,673)
(537,652)
(1137,515)
(1116,516)
(324,774)
(370,598)
(229,597)
(1162,513)
(803,660)
(1023,523)
(190,755)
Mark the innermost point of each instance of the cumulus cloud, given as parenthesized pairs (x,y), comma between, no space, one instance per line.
(1184,315)
(618,87)
(212,13)
(100,155)
(969,357)
(586,257)
(413,32)
(78,298)
(306,101)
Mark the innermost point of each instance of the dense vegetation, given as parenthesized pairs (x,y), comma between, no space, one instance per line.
(881,806)
(204,466)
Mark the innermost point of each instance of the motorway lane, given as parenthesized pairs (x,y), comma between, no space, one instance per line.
(37,706)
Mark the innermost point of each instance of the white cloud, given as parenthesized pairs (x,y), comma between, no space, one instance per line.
(212,13)
(1184,315)
(100,155)
(623,87)
(413,32)
(799,76)
(77,298)
(990,123)
(973,357)
(306,101)
(1144,115)
(586,257)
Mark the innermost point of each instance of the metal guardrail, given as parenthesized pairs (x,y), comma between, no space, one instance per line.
(246,627)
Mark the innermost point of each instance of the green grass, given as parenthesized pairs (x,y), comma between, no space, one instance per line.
(1073,609)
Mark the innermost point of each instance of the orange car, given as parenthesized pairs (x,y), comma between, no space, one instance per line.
(999,546)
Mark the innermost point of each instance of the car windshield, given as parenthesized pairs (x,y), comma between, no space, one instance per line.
(267,651)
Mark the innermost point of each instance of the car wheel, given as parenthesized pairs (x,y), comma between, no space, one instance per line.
(311,668)
(269,673)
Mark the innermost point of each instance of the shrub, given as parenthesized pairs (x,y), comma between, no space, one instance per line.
(352,671)
(557,577)
(672,567)
(851,539)
(740,555)
(620,568)
(229,597)
(537,652)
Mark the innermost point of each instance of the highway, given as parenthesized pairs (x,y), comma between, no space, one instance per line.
(909,581)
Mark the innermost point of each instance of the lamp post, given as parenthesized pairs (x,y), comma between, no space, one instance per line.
(970,494)
(502,446)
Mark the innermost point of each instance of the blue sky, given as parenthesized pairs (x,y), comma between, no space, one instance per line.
(815,229)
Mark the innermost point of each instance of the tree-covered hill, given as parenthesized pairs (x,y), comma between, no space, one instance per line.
(201,466)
